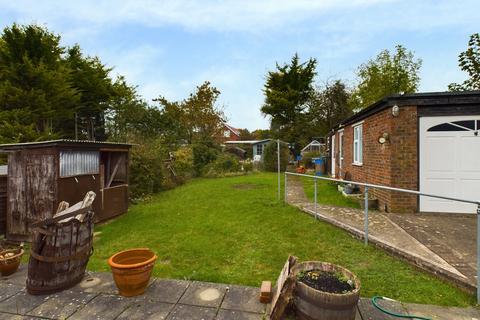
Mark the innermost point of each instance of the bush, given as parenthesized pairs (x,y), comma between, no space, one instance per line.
(203,154)
(270,156)
(307,159)
(184,162)
(223,164)
(146,169)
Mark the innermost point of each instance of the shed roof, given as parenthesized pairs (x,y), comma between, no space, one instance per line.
(416,99)
(248,141)
(63,143)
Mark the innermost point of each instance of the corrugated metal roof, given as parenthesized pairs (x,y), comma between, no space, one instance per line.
(60,142)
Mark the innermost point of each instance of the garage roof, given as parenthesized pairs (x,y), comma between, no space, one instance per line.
(416,99)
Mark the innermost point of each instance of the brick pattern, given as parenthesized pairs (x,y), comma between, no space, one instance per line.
(393,163)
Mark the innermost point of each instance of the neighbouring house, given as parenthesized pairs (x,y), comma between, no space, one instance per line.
(424,141)
(229,133)
(257,146)
(313,146)
(42,174)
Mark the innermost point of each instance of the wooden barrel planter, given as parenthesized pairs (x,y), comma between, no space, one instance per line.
(312,304)
(60,252)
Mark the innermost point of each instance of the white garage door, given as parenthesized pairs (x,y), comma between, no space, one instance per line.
(450,162)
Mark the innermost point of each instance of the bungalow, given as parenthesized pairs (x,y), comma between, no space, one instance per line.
(424,141)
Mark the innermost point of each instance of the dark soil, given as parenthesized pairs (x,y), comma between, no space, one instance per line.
(326,281)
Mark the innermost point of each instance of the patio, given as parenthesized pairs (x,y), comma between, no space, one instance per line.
(96,298)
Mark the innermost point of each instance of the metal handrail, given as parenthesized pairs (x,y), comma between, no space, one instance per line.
(378,186)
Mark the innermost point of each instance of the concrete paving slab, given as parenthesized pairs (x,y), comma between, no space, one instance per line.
(146,309)
(21,303)
(238,315)
(243,299)
(19,278)
(62,305)
(184,312)
(9,316)
(369,312)
(167,290)
(443,313)
(97,282)
(103,307)
(204,294)
(8,289)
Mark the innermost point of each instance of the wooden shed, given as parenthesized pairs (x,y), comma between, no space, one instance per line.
(41,174)
(3,199)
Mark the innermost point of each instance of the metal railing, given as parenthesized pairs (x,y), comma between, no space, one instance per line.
(376,186)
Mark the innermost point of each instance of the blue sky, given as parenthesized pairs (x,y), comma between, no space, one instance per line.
(168,47)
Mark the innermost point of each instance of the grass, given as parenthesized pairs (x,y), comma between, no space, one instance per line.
(327,193)
(232,230)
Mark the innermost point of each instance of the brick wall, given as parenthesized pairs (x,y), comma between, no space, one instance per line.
(393,163)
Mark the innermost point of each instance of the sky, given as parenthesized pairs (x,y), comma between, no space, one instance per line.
(169,47)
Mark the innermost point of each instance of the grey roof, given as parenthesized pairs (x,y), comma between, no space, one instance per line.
(60,142)
(416,99)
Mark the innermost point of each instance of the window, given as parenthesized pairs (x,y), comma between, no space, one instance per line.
(259,149)
(465,125)
(226,133)
(76,163)
(357,144)
(113,169)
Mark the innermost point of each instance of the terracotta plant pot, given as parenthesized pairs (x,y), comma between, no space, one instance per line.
(8,265)
(132,270)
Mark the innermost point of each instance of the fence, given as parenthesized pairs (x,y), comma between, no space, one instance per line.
(367,186)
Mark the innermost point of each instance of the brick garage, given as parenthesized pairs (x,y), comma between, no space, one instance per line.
(394,161)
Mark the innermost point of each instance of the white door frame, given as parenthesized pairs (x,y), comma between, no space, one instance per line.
(340,153)
(333,155)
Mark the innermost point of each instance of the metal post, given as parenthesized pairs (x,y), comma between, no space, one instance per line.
(285,198)
(278,167)
(478,254)
(315,196)
(366,215)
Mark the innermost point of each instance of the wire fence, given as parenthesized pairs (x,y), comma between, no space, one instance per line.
(368,187)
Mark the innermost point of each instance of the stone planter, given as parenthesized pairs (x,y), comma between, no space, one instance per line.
(372,202)
(312,304)
(132,270)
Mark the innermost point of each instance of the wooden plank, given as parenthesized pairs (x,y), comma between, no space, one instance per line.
(284,290)
(115,169)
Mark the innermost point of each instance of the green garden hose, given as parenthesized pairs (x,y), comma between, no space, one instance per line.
(398,315)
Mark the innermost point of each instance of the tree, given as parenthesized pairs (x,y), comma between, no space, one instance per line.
(245,134)
(96,90)
(389,73)
(469,61)
(197,118)
(287,91)
(328,106)
(36,95)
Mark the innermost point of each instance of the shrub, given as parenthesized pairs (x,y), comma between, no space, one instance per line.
(146,169)
(184,162)
(223,164)
(307,159)
(270,156)
(203,154)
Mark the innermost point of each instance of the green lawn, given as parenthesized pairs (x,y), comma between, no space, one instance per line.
(327,193)
(232,230)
